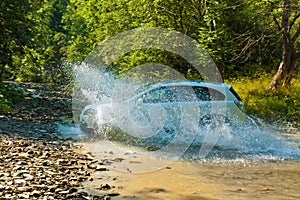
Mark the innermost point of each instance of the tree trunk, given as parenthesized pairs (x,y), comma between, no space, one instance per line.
(286,68)
(290,56)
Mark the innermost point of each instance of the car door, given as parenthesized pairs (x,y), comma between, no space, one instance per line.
(167,111)
(154,111)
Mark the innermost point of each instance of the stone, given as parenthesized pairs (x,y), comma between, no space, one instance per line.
(24,196)
(35,164)
(113,194)
(105,187)
(64,192)
(19,181)
(92,166)
(35,193)
(73,190)
(28,177)
(101,168)
(24,189)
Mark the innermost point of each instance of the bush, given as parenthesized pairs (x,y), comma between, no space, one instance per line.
(8,96)
(280,107)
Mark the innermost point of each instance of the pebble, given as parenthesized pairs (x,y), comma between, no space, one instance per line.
(26,177)
(36,163)
(105,187)
(20,181)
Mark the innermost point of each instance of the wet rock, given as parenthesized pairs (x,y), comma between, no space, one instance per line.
(73,190)
(24,196)
(53,171)
(63,162)
(35,193)
(105,187)
(113,194)
(92,166)
(24,189)
(20,181)
(28,177)
(64,192)
(35,163)
(152,148)
(156,190)
(101,168)
(118,159)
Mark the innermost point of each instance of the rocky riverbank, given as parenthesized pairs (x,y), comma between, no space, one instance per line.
(37,162)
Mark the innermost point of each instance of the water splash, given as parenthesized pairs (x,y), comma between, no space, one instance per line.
(241,140)
(250,141)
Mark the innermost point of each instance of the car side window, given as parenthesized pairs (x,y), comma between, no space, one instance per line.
(202,93)
(196,93)
(208,94)
(159,95)
(182,94)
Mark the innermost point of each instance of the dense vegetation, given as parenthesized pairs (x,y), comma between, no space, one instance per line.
(41,39)
(279,107)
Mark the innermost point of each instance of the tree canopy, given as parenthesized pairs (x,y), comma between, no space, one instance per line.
(39,38)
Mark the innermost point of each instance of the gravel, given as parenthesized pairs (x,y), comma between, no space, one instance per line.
(36,162)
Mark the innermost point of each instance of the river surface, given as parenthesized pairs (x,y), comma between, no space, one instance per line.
(141,174)
(136,176)
(189,180)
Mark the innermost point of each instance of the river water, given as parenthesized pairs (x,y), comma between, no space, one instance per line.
(136,175)
(192,180)
(262,173)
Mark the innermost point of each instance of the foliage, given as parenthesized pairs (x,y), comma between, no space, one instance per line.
(281,106)
(233,35)
(288,25)
(41,39)
(8,96)
(16,23)
(43,36)
(30,46)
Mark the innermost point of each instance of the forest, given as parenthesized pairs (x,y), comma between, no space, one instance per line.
(255,44)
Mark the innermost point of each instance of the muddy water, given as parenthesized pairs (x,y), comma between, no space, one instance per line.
(239,179)
(186,180)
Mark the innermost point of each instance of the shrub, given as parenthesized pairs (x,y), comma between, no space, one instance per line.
(280,107)
(8,96)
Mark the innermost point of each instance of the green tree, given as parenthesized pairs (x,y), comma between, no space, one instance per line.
(53,39)
(234,36)
(286,18)
(95,21)
(16,33)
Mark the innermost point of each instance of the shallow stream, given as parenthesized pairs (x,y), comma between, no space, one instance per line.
(136,175)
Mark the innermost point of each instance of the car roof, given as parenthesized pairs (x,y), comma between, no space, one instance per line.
(191,83)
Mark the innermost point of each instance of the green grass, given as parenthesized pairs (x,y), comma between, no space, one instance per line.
(280,107)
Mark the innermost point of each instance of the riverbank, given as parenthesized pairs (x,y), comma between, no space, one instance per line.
(37,162)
